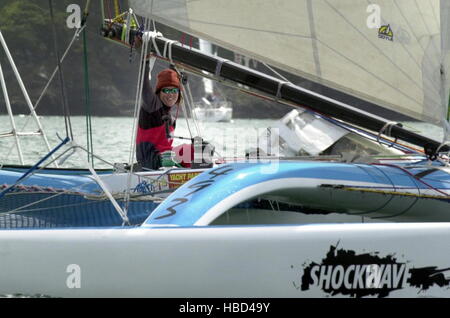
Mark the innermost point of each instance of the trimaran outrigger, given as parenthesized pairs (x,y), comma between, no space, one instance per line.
(215,237)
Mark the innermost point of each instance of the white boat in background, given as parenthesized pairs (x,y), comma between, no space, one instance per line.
(213,107)
(221,111)
(285,227)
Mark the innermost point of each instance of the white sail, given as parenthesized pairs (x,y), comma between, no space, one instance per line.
(389,52)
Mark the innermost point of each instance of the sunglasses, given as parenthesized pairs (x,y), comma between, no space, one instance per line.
(170,90)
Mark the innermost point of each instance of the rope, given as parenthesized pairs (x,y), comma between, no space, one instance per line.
(72,148)
(412,176)
(86,12)
(219,66)
(89,142)
(127,28)
(116,7)
(138,26)
(77,189)
(183,108)
(158,52)
(445,143)
(68,124)
(138,101)
(348,127)
(167,53)
(76,34)
(186,103)
(387,126)
(109,9)
(95,176)
(21,208)
(280,85)
(276,73)
(33,108)
(29,171)
(190,103)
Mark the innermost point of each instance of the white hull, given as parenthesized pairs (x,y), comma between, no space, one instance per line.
(210,262)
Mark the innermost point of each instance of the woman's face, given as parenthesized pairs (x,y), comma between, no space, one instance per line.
(169,95)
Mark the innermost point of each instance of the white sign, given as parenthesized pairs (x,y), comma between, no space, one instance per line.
(74,279)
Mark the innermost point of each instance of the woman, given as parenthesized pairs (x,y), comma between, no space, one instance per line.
(155,120)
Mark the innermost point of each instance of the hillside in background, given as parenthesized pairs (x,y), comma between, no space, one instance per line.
(113,70)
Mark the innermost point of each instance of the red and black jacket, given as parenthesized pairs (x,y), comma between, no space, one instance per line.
(151,139)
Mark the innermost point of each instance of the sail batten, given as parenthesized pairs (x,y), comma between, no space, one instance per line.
(397,64)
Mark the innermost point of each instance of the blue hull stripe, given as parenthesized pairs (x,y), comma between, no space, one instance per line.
(191,201)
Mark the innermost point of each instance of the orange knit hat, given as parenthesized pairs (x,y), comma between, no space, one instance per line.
(167,77)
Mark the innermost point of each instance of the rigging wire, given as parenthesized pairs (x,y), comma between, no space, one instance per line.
(75,36)
(116,8)
(30,171)
(190,104)
(185,103)
(20,209)
(448,109)
(137,104)
(89,141)
(105,189)
(183,109)
(93,174)
(68,124)
(28,100)
(188,99)
(413,177)
(276,73)
(156,181)
(109,10)
(87,101)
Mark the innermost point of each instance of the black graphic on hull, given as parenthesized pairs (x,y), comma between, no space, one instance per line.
(358,275)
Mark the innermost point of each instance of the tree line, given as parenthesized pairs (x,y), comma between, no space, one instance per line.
(27,27)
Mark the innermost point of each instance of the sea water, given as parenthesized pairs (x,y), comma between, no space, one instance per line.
(113,142)
(112,137)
